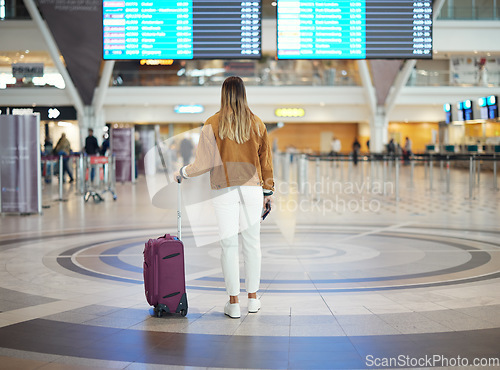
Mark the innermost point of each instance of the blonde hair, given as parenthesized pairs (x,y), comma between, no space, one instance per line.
(236,118)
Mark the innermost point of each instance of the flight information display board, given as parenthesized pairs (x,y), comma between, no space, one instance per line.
(173,29)
(344,29)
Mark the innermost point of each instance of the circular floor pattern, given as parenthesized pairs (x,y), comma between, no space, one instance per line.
(322,258)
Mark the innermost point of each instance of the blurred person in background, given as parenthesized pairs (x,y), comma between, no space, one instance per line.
(407,151)
(356,146)
(63,147)
(91,148)
(186,149)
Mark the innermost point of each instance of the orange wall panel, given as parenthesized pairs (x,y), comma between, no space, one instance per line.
(307,136)
(492,129)
(474,130)
(419,133)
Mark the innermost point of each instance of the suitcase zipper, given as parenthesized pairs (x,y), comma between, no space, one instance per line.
(171,255)
(155,289)
(172,295)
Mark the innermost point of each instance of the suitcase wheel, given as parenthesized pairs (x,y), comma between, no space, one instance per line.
(160,308)
(183,312)
(158,312)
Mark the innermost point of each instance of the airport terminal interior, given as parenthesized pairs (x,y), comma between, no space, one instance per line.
(384,254)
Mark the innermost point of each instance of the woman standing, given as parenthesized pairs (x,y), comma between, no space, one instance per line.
(234,147)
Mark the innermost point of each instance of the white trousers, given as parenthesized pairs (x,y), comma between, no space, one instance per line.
(239,208)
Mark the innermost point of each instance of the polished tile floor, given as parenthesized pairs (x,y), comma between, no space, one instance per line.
(353,277)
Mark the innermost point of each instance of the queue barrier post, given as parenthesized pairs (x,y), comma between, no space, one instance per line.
(471,176)
(285,168)
(384,175)
(431,167)
(113,173)
(317,172)
(349,168)
(332,168)
(447,174)
(389,168)
(495,186)
(412,170)
(81,171)
(317,179)
(478,168)
(341,168)
(74,165)
(61,177)
(300,173)
(372,171)
(363,167)
(396,165)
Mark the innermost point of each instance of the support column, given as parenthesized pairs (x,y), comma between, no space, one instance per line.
(378,131)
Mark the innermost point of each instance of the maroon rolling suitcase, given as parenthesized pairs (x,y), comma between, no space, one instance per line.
(164,275)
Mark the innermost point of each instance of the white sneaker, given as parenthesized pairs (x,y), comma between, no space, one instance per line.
(232,310)
(253,305)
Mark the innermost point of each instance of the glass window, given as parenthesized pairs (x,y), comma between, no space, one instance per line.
(13,9)
(446,12)
(485,9)
(463,9)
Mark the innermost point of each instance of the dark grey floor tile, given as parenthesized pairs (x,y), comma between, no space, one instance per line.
(321,345)
(338,364)
(6,305)
(255,346)
(97,310)
(253,362)
(24,299)
(324,356)
(260,339)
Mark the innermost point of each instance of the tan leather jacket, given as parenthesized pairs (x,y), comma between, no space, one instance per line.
(230,163)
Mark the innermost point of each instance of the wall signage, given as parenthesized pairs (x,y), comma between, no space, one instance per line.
(289,112)
(20,70)
(189,109)
(46,113)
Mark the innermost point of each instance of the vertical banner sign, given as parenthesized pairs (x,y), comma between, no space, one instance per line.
(20,164)
(122,144)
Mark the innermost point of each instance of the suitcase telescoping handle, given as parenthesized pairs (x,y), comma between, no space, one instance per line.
(179,204)
(179,180)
